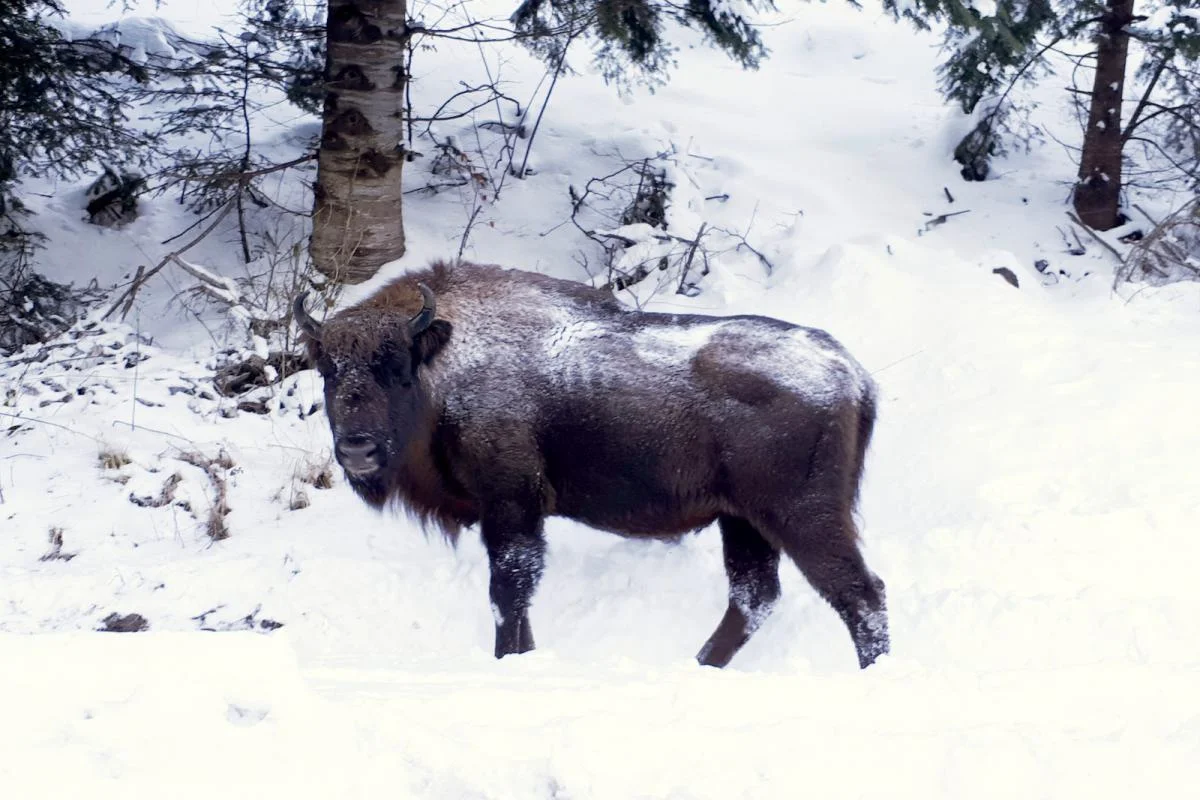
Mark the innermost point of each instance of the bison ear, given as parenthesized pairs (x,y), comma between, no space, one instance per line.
(430,341)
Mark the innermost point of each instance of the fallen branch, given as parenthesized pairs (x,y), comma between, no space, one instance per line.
(143,275)
(217,287)
(1096,236)
(224,290)
(941,219)
(1146,214)
(685,288)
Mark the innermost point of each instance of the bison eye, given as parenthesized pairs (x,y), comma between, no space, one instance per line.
(392,367)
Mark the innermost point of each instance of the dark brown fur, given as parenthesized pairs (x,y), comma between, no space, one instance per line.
(531,397)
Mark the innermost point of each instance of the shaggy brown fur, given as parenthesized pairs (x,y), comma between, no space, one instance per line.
(529,397)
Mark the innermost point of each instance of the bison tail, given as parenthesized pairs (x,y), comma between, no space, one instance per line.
(866,425)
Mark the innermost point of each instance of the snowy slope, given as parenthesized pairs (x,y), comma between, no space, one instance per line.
(1029,500)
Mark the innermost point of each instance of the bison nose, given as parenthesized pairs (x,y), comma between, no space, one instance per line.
(358,454)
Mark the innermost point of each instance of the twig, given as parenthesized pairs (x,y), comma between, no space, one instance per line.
(766,262)
(941,219)
(433,188)
(241,215)
(204,218)
(1096,236)
(512,149)
(137,360)
(244,176)
(1078,241)
(137,278)
(462,243)
(995,111)
(242,179)
(742,242)
(558,69)
(1146,214)
(144,429)
(691,254)
(48,422)
(897,361)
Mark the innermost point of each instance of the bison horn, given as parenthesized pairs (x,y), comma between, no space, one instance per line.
(306,323)
(424,317)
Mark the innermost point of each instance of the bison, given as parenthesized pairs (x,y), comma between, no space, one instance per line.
(476,394)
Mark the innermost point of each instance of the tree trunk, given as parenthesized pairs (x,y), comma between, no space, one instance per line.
(1098,193)
(357,226)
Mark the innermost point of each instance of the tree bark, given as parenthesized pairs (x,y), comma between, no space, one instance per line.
(1097,196)
(357,223)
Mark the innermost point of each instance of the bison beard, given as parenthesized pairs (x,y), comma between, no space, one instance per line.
(474,394)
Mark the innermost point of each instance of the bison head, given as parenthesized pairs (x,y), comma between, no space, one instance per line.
(369,359)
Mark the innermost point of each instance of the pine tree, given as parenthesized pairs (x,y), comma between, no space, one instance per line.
(996,45)
(61,112)
(1097,196)
(1164,126)
(629,37)
(62,107)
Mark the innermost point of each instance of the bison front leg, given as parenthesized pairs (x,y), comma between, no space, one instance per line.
(512,534)
(752,564)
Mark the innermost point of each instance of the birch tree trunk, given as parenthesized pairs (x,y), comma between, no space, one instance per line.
(1098,193)
(357,223)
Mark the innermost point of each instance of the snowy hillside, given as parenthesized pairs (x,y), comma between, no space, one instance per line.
(1029,499)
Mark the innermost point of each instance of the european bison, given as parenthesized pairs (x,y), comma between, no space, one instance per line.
(473,393)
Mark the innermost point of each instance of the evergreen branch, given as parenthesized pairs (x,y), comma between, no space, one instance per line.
(993,114)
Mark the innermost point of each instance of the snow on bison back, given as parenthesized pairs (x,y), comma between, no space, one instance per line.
(477,394)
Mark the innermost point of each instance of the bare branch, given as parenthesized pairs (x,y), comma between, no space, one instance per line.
(1135,118)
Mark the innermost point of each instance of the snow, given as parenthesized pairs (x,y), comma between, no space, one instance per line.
(985,8)
(1029,496)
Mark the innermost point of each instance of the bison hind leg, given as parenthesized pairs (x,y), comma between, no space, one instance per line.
(752,565)
(824,544)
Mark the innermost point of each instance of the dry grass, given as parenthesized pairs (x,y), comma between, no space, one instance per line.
(56,547)
(315,473)
(113,458)
(216,468)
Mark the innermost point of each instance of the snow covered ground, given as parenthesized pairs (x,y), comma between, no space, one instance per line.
(1029,499)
